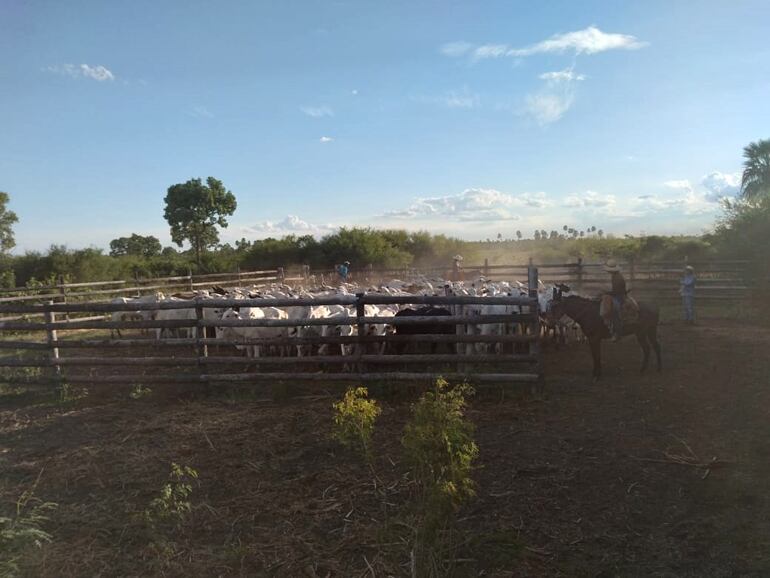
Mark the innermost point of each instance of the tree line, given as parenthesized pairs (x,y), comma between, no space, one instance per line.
(195,211)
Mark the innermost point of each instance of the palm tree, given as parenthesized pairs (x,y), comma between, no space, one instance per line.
(755,182)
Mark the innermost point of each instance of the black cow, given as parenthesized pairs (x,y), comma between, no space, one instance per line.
(425,328)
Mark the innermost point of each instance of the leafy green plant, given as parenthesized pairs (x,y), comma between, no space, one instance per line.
(354,418)
(23,530)
(139,391)
(69,393)
(439,446)
(173,503)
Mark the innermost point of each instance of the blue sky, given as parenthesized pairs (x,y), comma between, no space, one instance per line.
(463,117)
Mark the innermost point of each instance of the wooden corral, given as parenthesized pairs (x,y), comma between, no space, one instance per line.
(190,360)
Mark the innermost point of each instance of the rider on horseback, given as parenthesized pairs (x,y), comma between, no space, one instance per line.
(618,294)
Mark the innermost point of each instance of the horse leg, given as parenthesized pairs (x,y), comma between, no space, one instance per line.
(642,339)
(652,336)
(596,354)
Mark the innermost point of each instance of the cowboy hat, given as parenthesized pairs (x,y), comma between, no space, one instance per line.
(458,257)
(346,263)
(611,266)
(689,268)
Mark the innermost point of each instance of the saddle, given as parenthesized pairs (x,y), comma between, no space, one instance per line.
(628,314)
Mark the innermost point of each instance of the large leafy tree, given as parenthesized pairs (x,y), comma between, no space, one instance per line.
(138,245)
(755,183)
(7,220)
(194,210)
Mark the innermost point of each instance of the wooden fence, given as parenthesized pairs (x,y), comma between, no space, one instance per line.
(104,290)
(658,280)
(142,360)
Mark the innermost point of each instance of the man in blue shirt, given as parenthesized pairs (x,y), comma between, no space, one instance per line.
(343,270)
(687,291)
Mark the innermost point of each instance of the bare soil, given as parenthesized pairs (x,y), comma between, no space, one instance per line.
(656,475)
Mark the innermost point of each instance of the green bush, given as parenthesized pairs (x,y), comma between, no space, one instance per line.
(354,418)
(439,446)
(173,503)
(23,530)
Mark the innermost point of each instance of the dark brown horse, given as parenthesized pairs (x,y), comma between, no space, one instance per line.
(586,313)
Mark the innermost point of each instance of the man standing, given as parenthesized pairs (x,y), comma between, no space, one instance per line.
(343,271)
(457,268)
(687,291)
(618,293)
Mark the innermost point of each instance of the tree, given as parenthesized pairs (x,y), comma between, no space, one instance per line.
(755,182)
(194,210)
(7,219)
(537,235)
(137,245)
(518,235)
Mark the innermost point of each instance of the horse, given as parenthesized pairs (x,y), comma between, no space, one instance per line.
(586,313)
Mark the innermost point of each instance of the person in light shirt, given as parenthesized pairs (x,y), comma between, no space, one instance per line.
(687,291)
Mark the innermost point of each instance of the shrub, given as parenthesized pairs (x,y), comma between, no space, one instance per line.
(23,530)
(439,447)
(139,391)
(173,504)
(354,419)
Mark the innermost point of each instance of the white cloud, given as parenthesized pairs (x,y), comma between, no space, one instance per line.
(354,92)
(555,98)
(474,205)
(721,185)
(200,112)
(566,75)
(548,107)
(325,139)
(682,185)
(684,199)
(590,40)
(292,224)
(590,199)
(462,98)
(455,49)
(490,51)
(317,111)
(98,73)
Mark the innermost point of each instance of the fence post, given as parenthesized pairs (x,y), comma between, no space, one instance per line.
(360,314)
(238,272)
(534,346)
(201,348)
(63,291)
(579,282)
(486,267)
(50,317)
(281,275)
(189,279)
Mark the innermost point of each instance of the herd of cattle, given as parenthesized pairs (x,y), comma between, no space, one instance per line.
(560,330)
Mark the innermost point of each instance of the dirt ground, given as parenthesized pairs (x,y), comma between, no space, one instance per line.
(657,475)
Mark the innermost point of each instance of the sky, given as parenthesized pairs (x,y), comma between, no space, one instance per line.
(460,117)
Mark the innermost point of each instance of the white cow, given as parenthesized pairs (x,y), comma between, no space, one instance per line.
(246,332)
